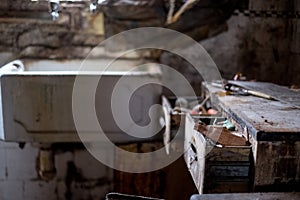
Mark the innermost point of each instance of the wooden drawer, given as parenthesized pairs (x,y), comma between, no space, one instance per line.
(215,168)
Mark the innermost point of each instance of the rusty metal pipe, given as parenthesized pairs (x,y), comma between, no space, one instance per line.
(46,163)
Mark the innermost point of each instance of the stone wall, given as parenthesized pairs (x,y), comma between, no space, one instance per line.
(28,31)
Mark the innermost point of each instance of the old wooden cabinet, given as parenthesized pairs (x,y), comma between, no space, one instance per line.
(271,126)
(215,168)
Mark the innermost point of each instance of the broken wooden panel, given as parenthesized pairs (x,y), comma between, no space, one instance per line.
(145,184)
(277,166)
(171,182)
(247,196)
(221,135)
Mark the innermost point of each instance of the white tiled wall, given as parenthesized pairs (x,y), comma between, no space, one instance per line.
(11,190)
(19,178)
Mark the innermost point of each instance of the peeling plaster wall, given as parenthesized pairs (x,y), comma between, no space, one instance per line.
(264,48)
(27,31)
(79,176)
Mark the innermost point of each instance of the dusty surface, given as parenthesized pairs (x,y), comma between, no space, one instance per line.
(252,196)
(265,119)
(273,128)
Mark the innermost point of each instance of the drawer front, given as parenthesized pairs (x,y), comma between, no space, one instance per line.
(214,168)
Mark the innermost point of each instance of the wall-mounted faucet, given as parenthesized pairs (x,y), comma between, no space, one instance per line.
(54,7)
(93,5)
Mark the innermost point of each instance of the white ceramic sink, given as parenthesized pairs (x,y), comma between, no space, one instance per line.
(36,100)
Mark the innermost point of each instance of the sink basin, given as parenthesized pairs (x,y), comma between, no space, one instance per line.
(36,99)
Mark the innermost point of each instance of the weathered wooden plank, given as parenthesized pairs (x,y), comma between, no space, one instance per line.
(225,154)
(279,92)
(145,184)
(247,196)
(265,120)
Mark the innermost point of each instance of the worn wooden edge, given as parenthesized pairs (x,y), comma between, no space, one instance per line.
(248,196)
(256,134)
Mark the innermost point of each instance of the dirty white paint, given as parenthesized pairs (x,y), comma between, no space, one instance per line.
(37,102)
(79,175)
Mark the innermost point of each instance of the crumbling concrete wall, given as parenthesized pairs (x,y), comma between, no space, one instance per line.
(27,31)
(261,42)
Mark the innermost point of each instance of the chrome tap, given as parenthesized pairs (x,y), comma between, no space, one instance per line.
(93,5)
(54,7)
